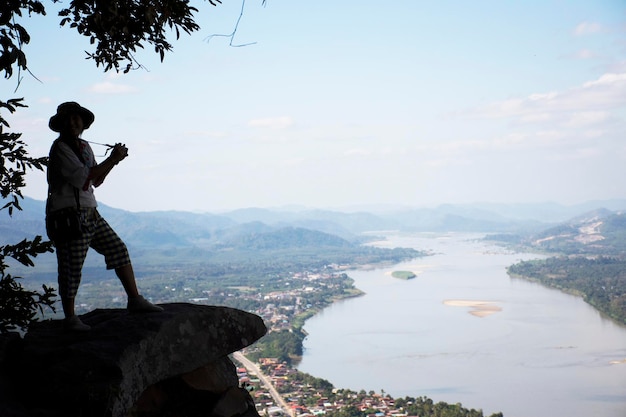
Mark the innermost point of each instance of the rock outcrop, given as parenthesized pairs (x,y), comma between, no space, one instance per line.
(173,363)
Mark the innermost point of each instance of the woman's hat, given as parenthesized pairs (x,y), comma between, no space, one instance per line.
(64,111)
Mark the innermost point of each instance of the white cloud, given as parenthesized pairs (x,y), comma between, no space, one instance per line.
(538,117)
(594,133)
(542,96)
(511,139)
(619,66)
(585,54)
(586,118)
(208,134)
(111,85)
(607,79)
(357,152)
(586,28)
(447,162)
(275,123)
(108,87)
(294,162)
(576,154)
(606,93)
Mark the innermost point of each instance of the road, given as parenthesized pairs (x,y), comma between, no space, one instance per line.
(253,368)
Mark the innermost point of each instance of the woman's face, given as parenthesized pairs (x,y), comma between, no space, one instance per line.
(74,125)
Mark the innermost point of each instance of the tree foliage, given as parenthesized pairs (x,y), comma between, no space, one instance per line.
(14,161)
(119,27)
(283,344)
(116,28)
(18,307)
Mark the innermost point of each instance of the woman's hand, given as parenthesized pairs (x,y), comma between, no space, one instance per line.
(99,172)
(120,151)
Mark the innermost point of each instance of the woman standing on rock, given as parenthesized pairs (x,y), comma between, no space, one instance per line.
(72,175)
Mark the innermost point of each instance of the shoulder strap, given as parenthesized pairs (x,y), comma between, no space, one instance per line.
(73,147)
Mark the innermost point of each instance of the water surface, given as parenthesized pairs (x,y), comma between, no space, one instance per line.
(538,353)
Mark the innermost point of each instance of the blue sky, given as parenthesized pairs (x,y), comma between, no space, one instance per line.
(341,104)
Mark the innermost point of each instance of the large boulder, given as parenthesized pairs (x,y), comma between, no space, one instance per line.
(149,364)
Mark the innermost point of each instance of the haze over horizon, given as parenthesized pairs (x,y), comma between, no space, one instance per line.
(408,103)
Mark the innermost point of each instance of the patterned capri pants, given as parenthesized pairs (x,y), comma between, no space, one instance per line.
(98,235)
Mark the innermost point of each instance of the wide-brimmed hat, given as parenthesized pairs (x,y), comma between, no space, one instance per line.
(57,122)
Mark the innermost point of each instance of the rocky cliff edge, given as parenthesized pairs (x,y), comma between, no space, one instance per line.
(173,363)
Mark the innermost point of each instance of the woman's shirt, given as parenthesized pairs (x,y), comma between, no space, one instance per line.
(66,172)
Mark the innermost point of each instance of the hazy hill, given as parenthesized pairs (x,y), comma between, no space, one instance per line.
(596,232)
(291,237)
(252,227)
(346,225)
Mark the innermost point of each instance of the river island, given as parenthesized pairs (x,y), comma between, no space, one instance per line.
(403,274)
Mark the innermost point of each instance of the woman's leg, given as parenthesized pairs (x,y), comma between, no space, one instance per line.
(127,277)
(68,305)
(70,259)
(136,303)
(109,244)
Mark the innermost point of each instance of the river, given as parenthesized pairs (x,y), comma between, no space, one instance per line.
(463,331)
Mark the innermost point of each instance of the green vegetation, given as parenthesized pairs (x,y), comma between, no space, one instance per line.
(18,306)
(589,259)
(285,345)
(601,281)
(424,407)
(403,274)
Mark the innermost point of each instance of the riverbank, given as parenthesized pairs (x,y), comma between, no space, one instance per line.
(599,280)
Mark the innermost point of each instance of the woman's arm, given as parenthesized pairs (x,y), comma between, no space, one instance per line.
(99,172)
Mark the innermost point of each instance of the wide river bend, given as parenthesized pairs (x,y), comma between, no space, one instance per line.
(463,331)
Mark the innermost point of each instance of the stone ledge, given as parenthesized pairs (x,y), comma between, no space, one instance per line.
(104,371)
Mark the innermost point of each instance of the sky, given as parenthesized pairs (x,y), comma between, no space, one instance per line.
(348,104)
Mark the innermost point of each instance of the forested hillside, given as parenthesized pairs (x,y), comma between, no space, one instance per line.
(601,281)
(599,232)
(590,259)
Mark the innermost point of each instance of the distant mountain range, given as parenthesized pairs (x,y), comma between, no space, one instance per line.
(258,228)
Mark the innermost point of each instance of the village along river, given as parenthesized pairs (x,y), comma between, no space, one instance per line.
(463,331)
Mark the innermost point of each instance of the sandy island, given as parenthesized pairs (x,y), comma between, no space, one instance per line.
(477,308)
